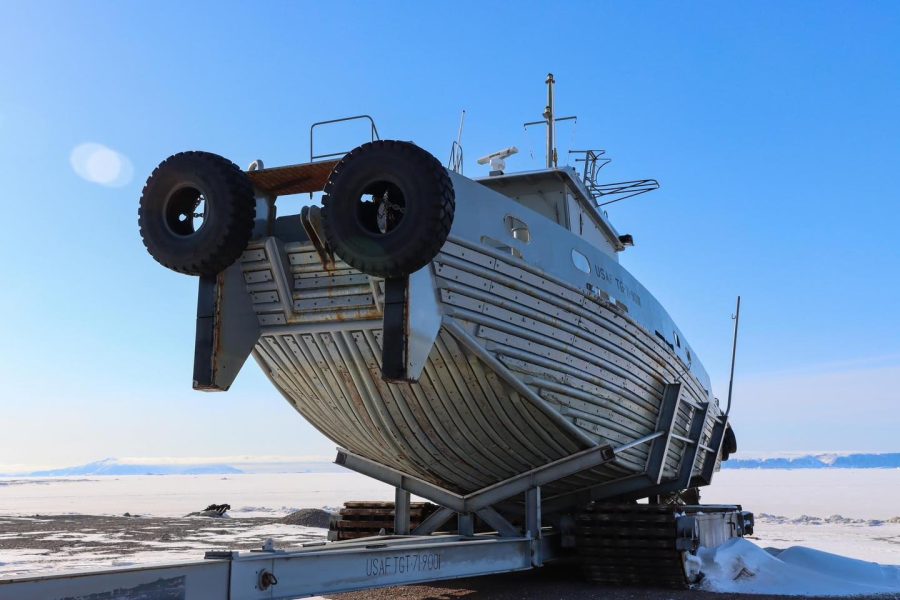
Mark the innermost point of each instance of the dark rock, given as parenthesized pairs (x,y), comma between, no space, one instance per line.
(308,517)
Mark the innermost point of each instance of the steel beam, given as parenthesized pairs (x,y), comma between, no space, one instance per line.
(533,524)
(399,480)
(713,451)
(688,458)
(197,580)
(433,521)
(465,524)
(570,465)
(659,447)
(498,522)
(334,570)
(313,570)
(601,491)
(394,329)
(586,459)
(277,260)
(227,329)
(401,512)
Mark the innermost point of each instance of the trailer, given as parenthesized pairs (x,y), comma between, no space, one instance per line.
(425,554)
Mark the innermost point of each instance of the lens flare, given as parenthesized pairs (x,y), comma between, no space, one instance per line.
(102,165)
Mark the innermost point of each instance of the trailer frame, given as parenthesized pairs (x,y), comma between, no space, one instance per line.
(410,555)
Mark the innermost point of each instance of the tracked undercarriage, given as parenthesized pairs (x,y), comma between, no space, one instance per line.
(653,544)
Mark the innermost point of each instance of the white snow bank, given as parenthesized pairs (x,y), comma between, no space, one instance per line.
(740,566)
(178,495)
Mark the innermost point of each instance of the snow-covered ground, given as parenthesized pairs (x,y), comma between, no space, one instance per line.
(740,566)
(36,545)
(856,493)
(801,515)
(851,512)
(250,495)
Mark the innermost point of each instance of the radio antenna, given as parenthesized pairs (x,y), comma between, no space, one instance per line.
(456,152)
(462,121)
(737,319)
(550,121)
(551,125)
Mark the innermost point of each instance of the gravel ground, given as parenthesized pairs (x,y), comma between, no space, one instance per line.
(550,583)
(32,545)
(58,532)
(65,538)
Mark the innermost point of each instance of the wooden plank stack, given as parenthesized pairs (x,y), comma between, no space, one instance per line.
(363,518)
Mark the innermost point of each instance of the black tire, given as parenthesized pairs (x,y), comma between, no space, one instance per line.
(406,221)
(169,203)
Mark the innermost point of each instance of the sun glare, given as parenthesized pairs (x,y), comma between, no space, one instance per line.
(102,165)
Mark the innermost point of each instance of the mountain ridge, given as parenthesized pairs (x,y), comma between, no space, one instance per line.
(185,466)
(111,466)
(118,467)
(824,460)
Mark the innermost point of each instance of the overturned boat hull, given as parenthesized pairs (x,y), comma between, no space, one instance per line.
(515,364)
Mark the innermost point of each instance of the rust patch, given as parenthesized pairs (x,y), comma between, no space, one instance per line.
(217,323)
(293,179)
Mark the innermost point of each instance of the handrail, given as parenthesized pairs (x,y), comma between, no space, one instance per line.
(456,158)
(594,160)
(313,156)
(623,190)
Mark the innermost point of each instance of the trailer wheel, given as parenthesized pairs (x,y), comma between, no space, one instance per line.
(196,213)
(388,207)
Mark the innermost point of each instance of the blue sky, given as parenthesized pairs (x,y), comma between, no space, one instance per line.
(774,129)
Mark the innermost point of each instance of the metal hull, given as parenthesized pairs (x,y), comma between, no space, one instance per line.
(524,370)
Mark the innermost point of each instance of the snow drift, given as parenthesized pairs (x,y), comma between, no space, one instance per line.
(740,566)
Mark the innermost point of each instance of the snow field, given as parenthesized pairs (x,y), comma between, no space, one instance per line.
(822,532)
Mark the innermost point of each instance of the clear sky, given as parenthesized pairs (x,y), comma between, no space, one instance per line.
(773,127)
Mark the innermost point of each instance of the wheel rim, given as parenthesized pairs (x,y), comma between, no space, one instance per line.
(186,211)
(381,207)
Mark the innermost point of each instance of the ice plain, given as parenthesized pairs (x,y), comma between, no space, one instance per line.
(810,520)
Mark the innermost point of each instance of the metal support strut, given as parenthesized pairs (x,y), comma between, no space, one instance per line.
(393,352)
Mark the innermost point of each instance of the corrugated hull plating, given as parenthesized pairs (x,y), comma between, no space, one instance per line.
(585,373)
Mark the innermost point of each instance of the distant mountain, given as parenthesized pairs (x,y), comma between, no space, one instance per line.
(110,466)
(819,461)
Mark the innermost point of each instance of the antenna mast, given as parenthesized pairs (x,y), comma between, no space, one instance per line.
(456,152)
(551,124)
(550,121)
(462,121)
(737,320)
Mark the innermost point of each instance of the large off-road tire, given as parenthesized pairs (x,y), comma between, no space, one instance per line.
(188,187)
(388,208)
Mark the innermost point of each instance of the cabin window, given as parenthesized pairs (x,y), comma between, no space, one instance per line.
(663,338)
(580,261)
(677,339)
(498,245)
(518,229)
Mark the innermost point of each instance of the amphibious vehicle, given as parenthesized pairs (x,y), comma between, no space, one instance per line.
(472,341)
